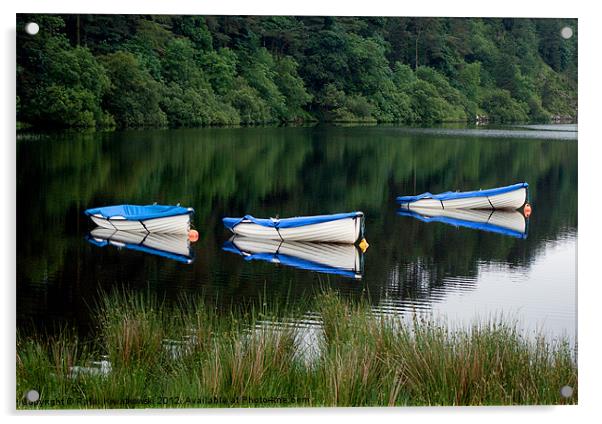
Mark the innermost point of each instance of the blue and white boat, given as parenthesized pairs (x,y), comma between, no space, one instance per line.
(336,228)
(504,222)
(171,246)
(146,219)
(329,258)
(511,197)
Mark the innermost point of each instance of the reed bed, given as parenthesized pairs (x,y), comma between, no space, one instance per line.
(149,354)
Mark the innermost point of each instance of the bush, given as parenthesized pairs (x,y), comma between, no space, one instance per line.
(554,96)
(292,88)
(251,108)
(133,97)
(67,107)
(393,105)
(178,65)
(260,74)
(457,103)
(429,107)
(190,108)
(220,69)
(536,111)
(338,107)
(501,107)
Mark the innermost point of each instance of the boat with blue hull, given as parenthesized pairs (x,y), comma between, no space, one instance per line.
(511,197)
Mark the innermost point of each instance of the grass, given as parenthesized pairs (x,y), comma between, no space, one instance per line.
(189,356)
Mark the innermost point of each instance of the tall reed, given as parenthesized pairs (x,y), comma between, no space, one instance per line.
(189,355)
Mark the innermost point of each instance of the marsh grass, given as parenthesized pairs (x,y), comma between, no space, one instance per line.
(189,355)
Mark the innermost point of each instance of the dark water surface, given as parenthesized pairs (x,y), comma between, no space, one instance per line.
(456,272)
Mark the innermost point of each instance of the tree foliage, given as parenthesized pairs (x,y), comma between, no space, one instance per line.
(133,97)
(139,70)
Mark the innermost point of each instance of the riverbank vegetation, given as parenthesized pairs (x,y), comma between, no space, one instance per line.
(132,71)
(151,354)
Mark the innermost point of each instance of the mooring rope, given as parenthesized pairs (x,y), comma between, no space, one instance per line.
(142,223)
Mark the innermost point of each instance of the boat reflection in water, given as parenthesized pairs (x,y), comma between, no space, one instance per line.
(171,246)
(330,258)
(508,223)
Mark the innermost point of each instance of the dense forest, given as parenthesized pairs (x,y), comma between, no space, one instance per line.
(132,71)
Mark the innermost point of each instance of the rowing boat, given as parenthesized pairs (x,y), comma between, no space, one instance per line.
(336,228)
(171,246)
(147,219)
(507,223)
(330,258)
(511,197)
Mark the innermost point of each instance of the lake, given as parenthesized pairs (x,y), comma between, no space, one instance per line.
(413,264)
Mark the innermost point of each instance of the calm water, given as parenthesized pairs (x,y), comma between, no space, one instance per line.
(452,271)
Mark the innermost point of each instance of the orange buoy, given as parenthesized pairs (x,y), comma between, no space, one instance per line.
(193,235)
(527,210)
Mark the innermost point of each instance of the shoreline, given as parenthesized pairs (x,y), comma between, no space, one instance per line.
(435,127)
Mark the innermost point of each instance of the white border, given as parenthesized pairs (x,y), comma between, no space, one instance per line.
(512,8)
(590,140)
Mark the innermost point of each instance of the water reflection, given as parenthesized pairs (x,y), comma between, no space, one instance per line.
(307,332)
(170,246)
(507,223)
(329,258)
(290,172)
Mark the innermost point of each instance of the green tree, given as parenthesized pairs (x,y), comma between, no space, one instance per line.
(428,106)
(501,107)
(178,64)
(291,86)
(249,104)
(133,96)
(260,75)
(220,69)
(60,86)
(269,69)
